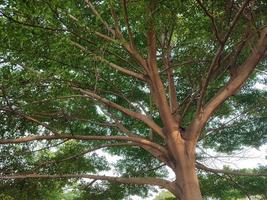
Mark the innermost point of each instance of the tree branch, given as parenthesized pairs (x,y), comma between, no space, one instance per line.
(174,65)
(222,171)
(162,156)
(112,65)
(126,111)
(215,28)
(205,82)
(84,152)
(174,106)
(31,119)
(243,73)
(166,59)
(235,20)
(216,60)
(156,82)
(90,5)
(233,56)
(130,48)
(122,69)
(131,180)
(105,37)
(124,2)
(116,21)
(32,25)
(137,140)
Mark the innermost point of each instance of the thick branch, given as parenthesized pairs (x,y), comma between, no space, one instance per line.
(233,56)
(156,150)
(135,54)
(131,180)
(156,82)
(243,73)
(216,60)
(137,140)
(162,156)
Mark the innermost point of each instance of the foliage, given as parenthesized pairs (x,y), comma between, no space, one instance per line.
(165,196)
(233,187)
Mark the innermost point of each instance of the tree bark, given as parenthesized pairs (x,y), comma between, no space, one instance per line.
(186,183)
(183,155)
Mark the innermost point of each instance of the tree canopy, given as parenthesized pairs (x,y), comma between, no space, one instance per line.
(148,81)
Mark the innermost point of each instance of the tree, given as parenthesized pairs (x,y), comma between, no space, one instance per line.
(149,81)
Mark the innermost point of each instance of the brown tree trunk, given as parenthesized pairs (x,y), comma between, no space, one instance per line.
(183,155)
(186,183)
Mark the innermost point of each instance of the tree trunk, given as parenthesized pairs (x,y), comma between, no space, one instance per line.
(186,183)
(183,155)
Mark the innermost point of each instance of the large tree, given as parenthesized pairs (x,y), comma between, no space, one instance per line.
(147,80)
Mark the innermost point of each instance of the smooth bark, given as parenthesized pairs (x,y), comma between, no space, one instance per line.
(183,157)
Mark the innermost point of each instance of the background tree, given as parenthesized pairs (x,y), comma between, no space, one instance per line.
(145,80)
